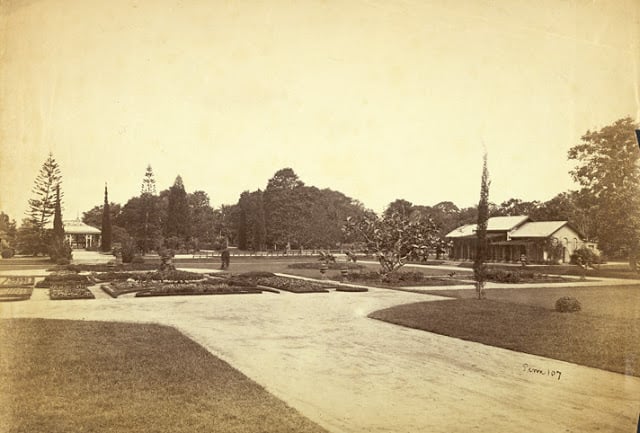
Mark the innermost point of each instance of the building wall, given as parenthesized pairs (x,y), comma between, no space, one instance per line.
(570,241)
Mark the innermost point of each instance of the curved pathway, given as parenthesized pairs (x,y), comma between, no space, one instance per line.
(322,355)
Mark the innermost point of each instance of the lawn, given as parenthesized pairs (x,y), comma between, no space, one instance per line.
(71,376)
(617,302)
(604,335)
(617,270)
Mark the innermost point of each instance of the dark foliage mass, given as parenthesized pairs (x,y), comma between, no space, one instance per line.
(479,265)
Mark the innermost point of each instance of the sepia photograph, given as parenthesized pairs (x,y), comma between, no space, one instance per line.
(424,216)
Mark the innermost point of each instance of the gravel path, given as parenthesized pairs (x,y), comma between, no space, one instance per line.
(323,356)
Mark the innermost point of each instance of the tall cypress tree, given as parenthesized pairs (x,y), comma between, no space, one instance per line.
(177,223)
(58,248)
(106,223)
(479,266)
(58,227)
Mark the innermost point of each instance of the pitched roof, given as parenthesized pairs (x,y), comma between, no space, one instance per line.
(540,229)
(77,227)
(462,231)
(505,223)
(501,223)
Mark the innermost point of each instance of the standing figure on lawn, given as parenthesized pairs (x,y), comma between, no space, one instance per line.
(225,258)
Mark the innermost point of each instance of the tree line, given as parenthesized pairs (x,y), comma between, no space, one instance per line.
(287,214)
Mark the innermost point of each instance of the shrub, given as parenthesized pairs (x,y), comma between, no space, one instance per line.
(256,274)
(59,250)
(7,253)
(584,256)
(503,276)
(137,260)
(406,277)
(568,305)
(128,250)
(63,261)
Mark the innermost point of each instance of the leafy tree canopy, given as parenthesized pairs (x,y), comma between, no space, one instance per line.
(608,170)
(394,238)
(284,179)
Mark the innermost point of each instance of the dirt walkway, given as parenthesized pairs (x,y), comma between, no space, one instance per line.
(323,356)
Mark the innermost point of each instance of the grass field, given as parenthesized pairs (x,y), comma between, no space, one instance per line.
(604,335)
(613,270)
(70,376)
(617,302)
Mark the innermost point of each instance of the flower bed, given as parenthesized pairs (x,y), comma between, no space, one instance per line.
(400,279)
(116,289)
(272,281)
(11,281)
(520,276)
(63,279)
(15,293)
(294,285)
(351,289)
(180,289)
(149,276)
(70,291)
(331,266)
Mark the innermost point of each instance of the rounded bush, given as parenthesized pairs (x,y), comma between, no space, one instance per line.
(7,253)
(63,261)
(568,305)
(584,256)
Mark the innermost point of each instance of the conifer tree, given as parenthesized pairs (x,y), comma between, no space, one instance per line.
(58,247)
(479,266)
(58,227)
(177,222)
(34,233)
(106,223)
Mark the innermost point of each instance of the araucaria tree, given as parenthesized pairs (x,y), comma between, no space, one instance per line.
(394,238)
(479,265)
(106,223)
(33,237)
(608,169)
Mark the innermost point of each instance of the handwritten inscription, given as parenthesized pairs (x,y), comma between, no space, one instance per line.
(556,374)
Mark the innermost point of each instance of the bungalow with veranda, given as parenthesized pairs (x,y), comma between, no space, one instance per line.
(81,235)
(509,237)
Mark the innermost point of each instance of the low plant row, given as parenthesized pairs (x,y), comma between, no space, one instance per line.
(16,281)
(400,279)
(330,266)
(176,289)
(116,289)
(67,292)
(174,275)
(519,276)
(294,285)
(62,279)
(15,293)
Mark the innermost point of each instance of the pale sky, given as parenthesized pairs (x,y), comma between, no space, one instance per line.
(378,99)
